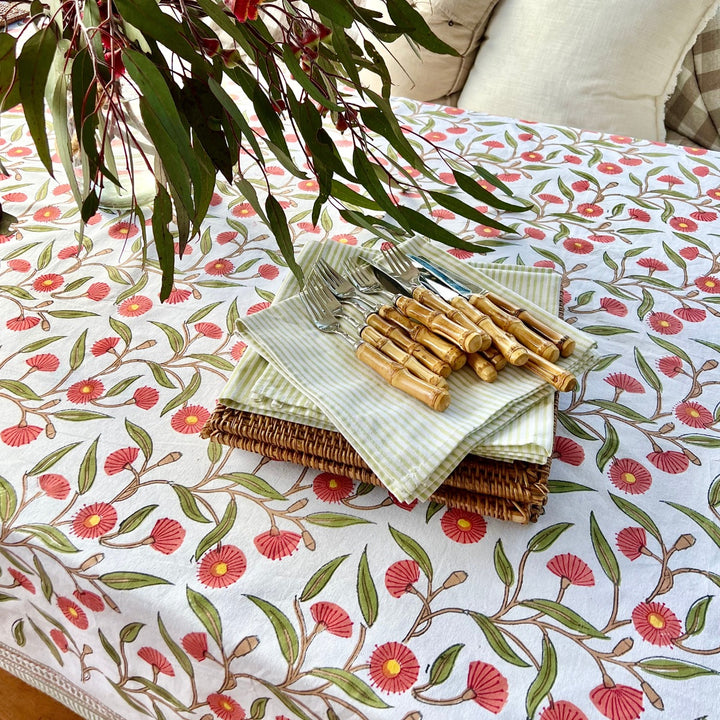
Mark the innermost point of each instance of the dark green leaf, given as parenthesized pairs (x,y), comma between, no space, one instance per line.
(711,528)
(609,447)
(206,613)
(134,521)
(503,568)
(188,504)
(564,615)
(638,515)
(320,578)
(219,531)
(413,549)
(352,686)
(497,640)
(443,664)
(604,552)
(88,468)
(544,680)
(696,616)
(126,580)
(672,669)
(285,632)
(544,539)
(367,594)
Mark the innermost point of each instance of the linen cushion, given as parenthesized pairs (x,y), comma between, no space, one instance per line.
(420,74)
(606,65)
(693,111)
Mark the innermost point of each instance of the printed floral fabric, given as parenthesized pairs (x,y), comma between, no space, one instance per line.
(172,578)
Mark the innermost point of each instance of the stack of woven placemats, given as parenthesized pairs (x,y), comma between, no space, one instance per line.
(515,491)
(11,11)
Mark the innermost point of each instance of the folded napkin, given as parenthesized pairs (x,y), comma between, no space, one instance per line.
(320,372)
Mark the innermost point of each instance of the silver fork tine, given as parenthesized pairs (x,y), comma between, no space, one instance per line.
(401,264)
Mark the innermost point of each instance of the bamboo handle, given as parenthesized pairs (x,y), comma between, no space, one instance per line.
(565,344)
(395,352)
(531,340)
(483,368)
(394,373)
(467,340)
(434,301)
(452,355)
(560,379)
(401,338)
(495,357)
(514,352)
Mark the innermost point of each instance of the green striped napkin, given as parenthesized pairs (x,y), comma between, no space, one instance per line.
(294,372)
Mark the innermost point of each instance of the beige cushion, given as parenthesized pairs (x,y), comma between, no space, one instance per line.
(605,65)
(422,75)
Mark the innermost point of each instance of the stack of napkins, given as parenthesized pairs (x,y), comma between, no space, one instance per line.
(292,371)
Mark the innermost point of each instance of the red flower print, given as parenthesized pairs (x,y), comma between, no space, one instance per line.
(656,623)
(553,199)
(493,144)
(159,663)
(664,323)
(54,486)
(237,350)
(463,526)
(177,296)
(208,329)
(630,476)
(243,210)
(623,381)
(695,150)
(167,536)
(19,265)
(189,420)
(45,362)
(196,645)
(544,264)
(225,237)
(572,159)
(580,185)
(568,451)
(669,461)
(631,542)
(268,272)
(104,346)
(309,227)
(682,224)
(123,230)
(85,391)
(18,435)
(22,580)
(708,283)
(460,254)
(442,214)
(619,702)
(703,216)
(336,621)
(73,612)
(621,139)
(19,152)
(578,246)
(457,130)
(670,180)
(14,197)
(701,171)
(562,710)
(257,307)
(489,685)
(652,264)
(401,576)
(609,168)
(48,282)
(393,667)
(508,177)
(601,238)
(531,156)
(308,185)
(222,266)
(120,460)
(222,567)
(94,520)
(332,488)
(639,215)
(68,252)
(276,544)
(589,210)
(630,161)
(59,639)
(403,505)
(435,136)
(215,200)
(274,170)
(572,569)
(345,239)
(534,233)
(146,397)
(223,705)
(485,231)
(135,306)
(714,193)
(98,291)
(49,213)
(693,414)
(90,600)
(671,365)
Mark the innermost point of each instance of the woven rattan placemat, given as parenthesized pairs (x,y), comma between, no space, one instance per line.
(514,491)
(11,12)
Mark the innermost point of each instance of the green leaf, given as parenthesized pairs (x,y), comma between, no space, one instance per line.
(497,640)
(132,522)
(544,680)
(638,515)
(50,536)
(80,415)
(278,224)
(672,669)
(336,520)
(711,529)
(573,427)
(140,437)
(174,337)
(352,686)
(649,375)
(609,447)
(214,360)
(160,375)
(542,540)
(320,578)
(188,504)
(206,613)
(49,644)
(564,615)
(671,348)
(606,330)
(567,486)
(129,633)
(88,468)
(604,552)
(255,484)
(411,548)
(695,620)
(192,387)
(20,389)
(286,635)
(127,580)
(367,594)
(8,500)
(219,531)
(18,632)
(45,583)
(49,460)
(109,649)
(647,304)
(503,568)
(77,354)
(443,664)
(619,409)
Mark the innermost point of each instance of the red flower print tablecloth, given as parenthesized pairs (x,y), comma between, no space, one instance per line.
(147,573)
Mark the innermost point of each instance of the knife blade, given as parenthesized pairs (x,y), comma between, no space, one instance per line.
(482,301)
(467,339)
